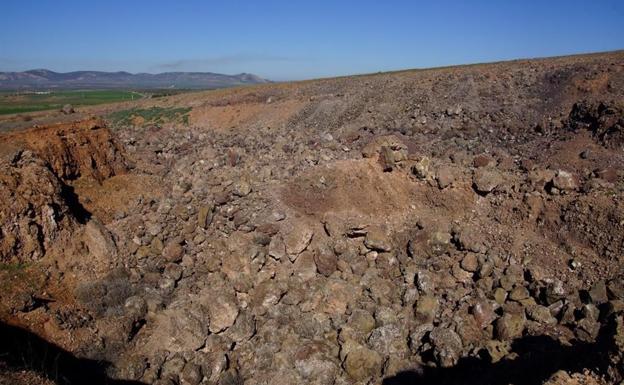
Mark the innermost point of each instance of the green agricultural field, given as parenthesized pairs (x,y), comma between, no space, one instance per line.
(19,102)
(149,116)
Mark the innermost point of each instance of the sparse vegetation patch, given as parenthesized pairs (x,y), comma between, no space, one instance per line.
(149,116)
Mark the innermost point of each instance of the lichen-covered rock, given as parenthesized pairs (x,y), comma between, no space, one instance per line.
(222,307)
(362,363)
(426,308)
(447,346)
(377,239)
(510,326)
(485,180)
(540,314)
(182,327)
(564,181)
(297,239)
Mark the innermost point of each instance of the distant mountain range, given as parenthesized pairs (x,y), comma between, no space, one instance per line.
(42,79)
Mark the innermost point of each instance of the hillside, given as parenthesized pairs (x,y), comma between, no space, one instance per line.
(439,226)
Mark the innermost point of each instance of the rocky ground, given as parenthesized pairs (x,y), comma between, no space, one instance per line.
(454,225)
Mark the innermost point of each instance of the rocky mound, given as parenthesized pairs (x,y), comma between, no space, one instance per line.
(460,225)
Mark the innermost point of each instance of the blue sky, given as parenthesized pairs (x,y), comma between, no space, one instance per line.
(294,39)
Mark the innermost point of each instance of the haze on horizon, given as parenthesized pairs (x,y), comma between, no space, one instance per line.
(285,40)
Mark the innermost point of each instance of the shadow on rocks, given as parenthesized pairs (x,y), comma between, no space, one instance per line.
(81,214)
(23,350)
(539,357)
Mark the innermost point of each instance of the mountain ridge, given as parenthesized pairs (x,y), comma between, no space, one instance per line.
(40,78)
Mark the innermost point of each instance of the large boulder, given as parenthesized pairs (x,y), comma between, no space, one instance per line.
(101,246)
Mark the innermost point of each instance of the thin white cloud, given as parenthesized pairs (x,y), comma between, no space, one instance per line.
(219,61)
